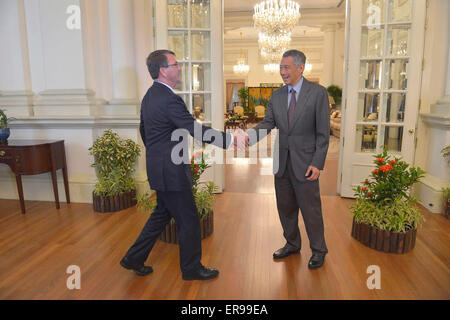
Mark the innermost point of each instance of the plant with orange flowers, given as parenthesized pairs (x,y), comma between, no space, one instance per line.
(383,199)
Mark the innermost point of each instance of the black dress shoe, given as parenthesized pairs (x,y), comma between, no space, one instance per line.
(316,261)
(284,252)
(201,274)
(140,271)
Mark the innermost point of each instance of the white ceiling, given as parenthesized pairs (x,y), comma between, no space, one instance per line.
(247,5)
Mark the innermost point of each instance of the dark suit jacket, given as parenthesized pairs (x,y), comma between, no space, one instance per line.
(307,137)
(162,112)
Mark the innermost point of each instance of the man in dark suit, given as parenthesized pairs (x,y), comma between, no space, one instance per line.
(300,110)
(163,112)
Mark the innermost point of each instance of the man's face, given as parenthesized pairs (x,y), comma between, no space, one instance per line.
(172,72)
(289,72)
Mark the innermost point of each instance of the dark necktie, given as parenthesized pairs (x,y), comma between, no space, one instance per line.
(291,108)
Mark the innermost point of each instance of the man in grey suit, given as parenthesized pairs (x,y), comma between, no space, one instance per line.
(300,111)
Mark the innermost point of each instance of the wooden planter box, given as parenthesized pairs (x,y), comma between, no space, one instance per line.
(170,234)
(114,203)
(382,240)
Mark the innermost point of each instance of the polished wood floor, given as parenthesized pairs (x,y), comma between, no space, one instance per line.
(36,249)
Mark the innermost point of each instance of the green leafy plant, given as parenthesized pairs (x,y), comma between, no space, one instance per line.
(243,96)
(114,160)
(336,93)
(383,200)
(446,152)
(4,119)
(145,202)
(203,191)
(446,194)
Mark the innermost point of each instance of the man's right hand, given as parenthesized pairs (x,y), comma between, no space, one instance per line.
(240,139)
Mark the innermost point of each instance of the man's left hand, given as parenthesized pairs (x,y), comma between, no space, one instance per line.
(315,173)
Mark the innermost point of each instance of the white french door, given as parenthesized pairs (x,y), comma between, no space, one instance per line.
(385,41)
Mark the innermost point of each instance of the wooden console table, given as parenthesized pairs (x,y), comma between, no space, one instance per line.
(29,157)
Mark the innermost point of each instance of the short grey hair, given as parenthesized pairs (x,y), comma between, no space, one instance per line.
(299,57)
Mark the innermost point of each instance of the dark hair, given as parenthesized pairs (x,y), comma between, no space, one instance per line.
(156,60)
(299,57)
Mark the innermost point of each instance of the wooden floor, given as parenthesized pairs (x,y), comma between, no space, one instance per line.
(36,249)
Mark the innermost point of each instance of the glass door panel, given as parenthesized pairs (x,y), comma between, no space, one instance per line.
(201,77)
(202,107)
(368,107)
(370,75)
(399,11)
(394,107)
(392,138)
(396,74)
(200,14)
(372,42)
(178,43)
(200,45)
(366,138)
(373,12)
(177,13)
(398,40)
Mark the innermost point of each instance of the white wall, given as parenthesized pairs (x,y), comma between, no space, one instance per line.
(61,82)
(433,127)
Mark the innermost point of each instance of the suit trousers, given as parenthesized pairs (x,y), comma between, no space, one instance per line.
(179,205)
(293,195)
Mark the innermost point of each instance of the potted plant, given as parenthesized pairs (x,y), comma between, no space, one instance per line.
(114,160)
(4,130)
(385,215)
(336,93)
(243,96)
(204,200)
(446,152)
(446,198)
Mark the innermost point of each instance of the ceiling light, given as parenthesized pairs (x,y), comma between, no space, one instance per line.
(276,16)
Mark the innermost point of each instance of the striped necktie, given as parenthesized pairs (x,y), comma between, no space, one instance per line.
(291,108)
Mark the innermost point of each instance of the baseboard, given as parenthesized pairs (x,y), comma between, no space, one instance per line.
(429,193)
(40,188)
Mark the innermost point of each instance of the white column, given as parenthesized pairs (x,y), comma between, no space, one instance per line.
(15,83)
(121,21)
(328,55)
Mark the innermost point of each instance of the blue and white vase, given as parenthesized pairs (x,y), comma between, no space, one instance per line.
(4,134)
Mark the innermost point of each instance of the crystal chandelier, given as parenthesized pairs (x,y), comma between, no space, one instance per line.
(276,16)
(276,20)
(274,42)
(272,55)
(241,67)
(272,67)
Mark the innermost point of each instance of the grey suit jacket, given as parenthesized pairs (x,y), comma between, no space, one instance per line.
(306,138)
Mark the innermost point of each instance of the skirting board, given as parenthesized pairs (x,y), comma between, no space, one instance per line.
(40,188)
(429,193)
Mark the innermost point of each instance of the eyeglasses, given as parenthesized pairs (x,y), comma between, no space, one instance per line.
(171,65)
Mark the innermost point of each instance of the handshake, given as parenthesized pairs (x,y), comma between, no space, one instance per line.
(240,138)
